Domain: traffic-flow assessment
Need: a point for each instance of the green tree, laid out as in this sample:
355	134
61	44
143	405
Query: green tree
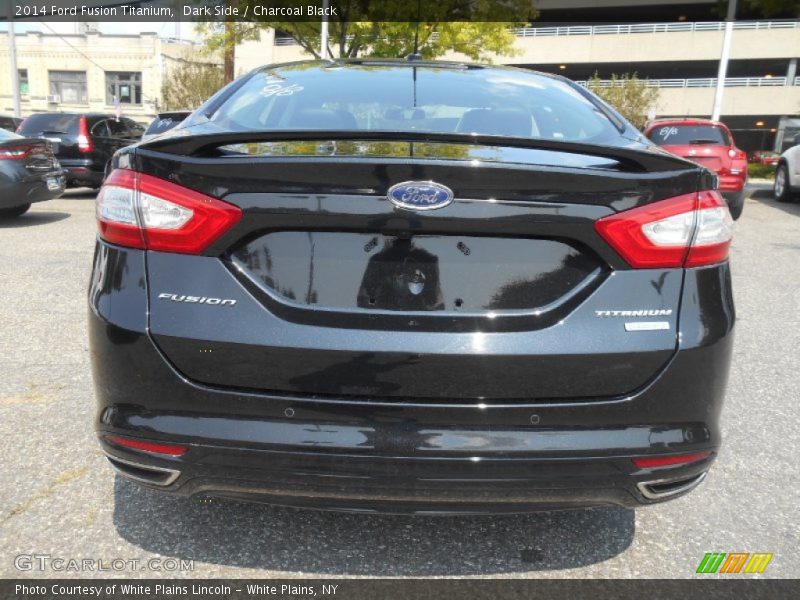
782	9
631	96
444	26
188	84
477	40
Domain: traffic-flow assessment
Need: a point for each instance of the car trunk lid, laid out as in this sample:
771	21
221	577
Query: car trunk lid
499	296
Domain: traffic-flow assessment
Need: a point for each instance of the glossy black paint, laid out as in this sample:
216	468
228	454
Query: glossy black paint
25	181
546	198
420	273
290	448
368	357
561	353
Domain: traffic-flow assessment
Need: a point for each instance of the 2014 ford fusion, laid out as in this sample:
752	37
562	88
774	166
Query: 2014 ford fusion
404	286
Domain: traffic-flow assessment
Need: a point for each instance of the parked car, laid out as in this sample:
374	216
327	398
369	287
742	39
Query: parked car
29	172
410	286
164	122
787	173
9	123
83	142
709	143
764	157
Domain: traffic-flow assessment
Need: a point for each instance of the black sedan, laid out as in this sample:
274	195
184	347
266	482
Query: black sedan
410	287
29	172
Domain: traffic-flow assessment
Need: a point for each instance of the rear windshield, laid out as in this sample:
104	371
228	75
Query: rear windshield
44	122
688	134
7	135
163	123
423	99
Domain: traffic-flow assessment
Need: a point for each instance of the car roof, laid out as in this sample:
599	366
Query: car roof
75	114
684	121
409	63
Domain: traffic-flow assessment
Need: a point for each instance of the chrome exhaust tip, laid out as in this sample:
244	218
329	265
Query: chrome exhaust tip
664	488
159	476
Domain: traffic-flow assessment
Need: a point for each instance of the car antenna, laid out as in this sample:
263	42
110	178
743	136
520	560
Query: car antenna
416	55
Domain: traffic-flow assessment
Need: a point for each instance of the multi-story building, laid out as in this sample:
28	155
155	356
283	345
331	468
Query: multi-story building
676	46
87	71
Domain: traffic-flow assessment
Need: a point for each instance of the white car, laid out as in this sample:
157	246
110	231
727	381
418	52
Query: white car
164	122
787	175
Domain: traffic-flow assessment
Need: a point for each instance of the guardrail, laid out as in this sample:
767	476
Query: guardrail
630	28
650	28
700	82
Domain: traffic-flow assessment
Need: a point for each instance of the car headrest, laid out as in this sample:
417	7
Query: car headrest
323	118
496	121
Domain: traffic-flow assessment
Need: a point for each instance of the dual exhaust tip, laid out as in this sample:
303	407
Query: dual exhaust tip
159	476
149	474
658	489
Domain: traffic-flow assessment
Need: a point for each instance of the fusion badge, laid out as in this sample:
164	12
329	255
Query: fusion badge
197	299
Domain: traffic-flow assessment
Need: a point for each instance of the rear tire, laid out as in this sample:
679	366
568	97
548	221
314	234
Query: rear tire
14	211
781	188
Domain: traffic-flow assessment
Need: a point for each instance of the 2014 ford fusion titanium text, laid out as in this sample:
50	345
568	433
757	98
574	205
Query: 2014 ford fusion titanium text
410	287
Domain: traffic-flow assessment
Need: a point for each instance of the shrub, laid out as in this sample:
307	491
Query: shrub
759	171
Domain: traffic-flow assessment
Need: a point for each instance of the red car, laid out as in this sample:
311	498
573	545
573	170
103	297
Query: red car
710	144
765	157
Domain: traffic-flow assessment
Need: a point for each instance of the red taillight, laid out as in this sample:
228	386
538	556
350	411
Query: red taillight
156	448
737	154
651	462
690	230
142	211
85	143
15	152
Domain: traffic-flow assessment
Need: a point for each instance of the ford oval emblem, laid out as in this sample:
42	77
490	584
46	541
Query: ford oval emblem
420	195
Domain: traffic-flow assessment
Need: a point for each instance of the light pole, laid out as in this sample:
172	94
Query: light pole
12	59
723	61
323	38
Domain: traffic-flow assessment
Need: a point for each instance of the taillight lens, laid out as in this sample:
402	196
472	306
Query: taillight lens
85	143
690	231
141	211
153	447
652	462
737	154
15	152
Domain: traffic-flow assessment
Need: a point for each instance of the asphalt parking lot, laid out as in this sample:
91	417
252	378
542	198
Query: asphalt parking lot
58	497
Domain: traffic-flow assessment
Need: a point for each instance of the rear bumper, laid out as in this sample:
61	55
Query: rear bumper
386	484
28	189
732	183
83	172
406	456
735	201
